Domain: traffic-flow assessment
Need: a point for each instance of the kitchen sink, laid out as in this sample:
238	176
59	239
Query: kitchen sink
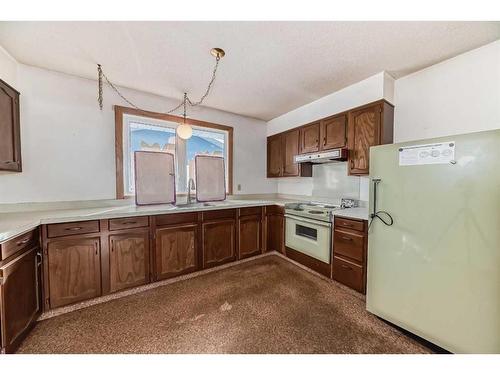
202	204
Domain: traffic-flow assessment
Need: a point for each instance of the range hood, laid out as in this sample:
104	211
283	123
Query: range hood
330	156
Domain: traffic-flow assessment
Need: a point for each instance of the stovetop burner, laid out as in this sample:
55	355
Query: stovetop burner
298	209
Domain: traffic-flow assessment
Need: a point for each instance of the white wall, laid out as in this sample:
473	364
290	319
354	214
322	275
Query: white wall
459	95
68	143
369	90
8	68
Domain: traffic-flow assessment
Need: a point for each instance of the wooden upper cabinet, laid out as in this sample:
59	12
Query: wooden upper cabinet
290	149
10	139
309	138
218	242
274	156
74	272
19	298
128	259
333	132
368	126
176	250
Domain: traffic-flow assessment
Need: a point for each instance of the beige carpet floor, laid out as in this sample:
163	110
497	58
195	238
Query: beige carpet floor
267	305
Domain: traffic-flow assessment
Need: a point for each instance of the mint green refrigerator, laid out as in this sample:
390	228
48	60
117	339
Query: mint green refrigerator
436	270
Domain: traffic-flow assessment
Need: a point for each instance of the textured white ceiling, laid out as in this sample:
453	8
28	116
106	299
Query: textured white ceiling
270	67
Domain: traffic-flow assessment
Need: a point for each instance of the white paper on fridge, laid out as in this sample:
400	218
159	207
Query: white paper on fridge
436	153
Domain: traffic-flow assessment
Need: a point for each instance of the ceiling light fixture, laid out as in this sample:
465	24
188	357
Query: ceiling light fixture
184	130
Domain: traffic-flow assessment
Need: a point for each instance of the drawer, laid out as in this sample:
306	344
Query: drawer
18	244
219	214
358	225
348	273
349	243
129	222
176	218
246	211
277	210
68	229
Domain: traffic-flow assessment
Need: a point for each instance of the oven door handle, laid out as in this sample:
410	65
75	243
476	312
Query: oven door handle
309	221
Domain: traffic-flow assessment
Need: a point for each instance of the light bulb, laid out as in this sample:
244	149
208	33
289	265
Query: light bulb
184	131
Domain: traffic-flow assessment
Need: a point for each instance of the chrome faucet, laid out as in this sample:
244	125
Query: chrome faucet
190	187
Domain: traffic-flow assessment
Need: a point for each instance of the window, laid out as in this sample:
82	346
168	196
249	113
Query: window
157	133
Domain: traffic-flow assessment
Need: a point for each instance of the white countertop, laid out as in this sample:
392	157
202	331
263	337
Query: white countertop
15	223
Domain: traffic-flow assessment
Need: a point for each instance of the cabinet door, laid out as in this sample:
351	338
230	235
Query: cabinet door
176	250
290	149
74	270
128	259
309	138
250	233
218	242
364	132
19	298
10	140
333	132
275	232
274	156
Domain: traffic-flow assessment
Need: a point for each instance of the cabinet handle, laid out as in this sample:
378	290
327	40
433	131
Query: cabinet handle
39	256
345	267
22	242
129	222
346	224
74	228
324	141
346	238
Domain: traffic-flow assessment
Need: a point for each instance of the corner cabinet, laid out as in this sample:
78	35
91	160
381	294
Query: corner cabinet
281	151
10	137
274	156
370	125
19	289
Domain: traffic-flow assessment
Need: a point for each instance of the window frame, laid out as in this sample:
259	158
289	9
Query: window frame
120	112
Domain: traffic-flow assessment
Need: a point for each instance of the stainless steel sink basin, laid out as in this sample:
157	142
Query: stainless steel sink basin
201	204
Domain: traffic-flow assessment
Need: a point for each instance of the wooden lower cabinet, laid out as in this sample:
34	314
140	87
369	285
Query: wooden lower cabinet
350	241
128	259
250	236
218	242
275	229
73	270
19	298
176	250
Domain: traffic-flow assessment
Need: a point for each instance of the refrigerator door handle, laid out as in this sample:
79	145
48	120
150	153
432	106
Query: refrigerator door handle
383	216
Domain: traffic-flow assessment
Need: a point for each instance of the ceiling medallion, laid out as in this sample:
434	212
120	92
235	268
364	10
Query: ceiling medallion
183	130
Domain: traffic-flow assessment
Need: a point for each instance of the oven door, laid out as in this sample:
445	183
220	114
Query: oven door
311	237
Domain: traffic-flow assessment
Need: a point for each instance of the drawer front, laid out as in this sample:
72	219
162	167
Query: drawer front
68	229
219	214
348	273
246	211
129	222
277	210
177	218
18	244
350	224
349	243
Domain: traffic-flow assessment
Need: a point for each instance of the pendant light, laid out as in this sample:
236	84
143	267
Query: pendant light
184	130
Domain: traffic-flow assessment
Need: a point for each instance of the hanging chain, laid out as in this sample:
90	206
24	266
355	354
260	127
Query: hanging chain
182	104
214	72
99	80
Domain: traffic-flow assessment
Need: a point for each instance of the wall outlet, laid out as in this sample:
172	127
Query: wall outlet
238	187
